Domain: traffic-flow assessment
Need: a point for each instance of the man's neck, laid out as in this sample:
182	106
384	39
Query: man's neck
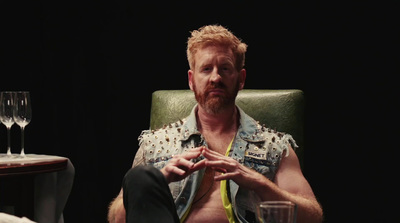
223	122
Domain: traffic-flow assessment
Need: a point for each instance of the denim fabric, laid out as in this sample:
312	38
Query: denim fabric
255	146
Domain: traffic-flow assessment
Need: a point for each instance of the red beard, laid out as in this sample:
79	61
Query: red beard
215	103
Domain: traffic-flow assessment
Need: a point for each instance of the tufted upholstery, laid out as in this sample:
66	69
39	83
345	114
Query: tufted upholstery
282	110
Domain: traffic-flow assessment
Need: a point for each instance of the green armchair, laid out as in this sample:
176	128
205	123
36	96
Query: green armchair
282	110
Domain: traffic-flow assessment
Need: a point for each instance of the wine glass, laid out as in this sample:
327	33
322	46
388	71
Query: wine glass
6	115
22	114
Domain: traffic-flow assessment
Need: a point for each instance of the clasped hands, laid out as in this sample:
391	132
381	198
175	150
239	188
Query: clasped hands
181	166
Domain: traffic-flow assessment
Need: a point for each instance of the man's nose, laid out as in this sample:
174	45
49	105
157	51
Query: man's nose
215	76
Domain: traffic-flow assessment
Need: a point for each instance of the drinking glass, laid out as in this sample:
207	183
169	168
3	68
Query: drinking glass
22	114
276	212
6	115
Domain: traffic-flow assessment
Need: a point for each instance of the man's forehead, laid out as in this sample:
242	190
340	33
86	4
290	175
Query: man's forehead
210	52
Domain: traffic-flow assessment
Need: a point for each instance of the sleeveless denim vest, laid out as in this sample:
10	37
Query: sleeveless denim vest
254	146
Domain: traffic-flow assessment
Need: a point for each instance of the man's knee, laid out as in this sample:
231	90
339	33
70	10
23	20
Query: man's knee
142	176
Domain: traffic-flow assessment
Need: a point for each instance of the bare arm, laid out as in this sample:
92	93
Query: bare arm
289	183
116	210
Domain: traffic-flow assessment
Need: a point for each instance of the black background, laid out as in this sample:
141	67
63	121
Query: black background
91	67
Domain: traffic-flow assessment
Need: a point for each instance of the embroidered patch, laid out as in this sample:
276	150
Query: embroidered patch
260	154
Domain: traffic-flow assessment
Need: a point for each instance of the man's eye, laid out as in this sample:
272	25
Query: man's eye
226	69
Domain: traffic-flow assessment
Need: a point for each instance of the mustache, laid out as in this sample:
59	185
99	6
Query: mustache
213	85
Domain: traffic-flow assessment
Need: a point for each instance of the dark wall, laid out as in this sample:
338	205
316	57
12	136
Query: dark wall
91	67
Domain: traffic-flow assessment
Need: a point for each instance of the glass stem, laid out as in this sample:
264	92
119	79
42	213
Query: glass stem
8	142
22	143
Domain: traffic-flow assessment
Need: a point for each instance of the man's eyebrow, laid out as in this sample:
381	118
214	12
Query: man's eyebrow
204	65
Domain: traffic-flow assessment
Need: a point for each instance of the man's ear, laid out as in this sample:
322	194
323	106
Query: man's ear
242	77
190	79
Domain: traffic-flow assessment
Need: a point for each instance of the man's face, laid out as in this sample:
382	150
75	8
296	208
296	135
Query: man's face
214	80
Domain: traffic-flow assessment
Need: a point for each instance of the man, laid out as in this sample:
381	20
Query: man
200	169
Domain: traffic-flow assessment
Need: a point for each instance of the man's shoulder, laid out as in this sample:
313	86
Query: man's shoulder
268	135
278	137
172	129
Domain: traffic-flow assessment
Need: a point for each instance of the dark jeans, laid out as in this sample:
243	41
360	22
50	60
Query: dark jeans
147	197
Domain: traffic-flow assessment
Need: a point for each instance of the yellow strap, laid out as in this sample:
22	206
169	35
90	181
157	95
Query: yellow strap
224	193
186	214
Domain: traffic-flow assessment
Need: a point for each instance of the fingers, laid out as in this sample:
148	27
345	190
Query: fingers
214	160
170	169
210	154
199	165
181	165
191	154
181	162
218	169
184	159
225	176
217	161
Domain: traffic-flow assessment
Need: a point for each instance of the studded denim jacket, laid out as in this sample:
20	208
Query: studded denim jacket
255	146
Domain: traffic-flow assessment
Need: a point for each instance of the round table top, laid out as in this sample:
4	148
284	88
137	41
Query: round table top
30	164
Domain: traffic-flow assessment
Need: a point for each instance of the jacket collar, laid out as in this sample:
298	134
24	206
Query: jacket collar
249	129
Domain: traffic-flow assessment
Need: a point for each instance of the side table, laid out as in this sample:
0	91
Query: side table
36	187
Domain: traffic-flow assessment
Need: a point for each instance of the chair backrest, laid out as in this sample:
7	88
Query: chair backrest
282	110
